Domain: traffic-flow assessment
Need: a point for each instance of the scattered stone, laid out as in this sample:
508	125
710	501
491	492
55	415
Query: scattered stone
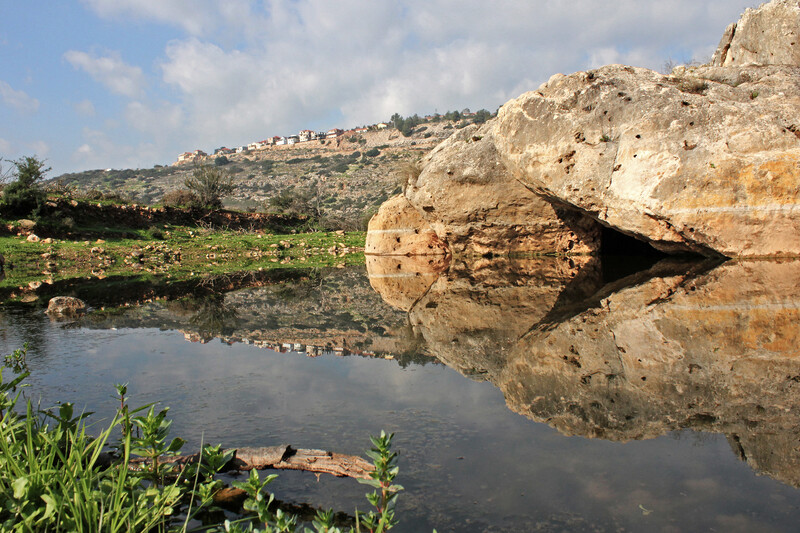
66	306
26	224
33	238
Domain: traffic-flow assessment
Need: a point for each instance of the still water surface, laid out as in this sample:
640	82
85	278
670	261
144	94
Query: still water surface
515	389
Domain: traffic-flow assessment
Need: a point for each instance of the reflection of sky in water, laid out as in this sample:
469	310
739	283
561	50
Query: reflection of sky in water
467	462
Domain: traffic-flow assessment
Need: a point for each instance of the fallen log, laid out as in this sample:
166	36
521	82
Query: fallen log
283	457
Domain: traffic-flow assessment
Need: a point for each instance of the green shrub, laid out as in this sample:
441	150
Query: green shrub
210	185
19	200
24	196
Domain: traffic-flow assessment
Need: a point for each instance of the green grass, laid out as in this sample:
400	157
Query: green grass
180	253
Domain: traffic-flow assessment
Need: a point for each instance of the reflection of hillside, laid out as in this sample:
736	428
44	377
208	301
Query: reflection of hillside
671	348
312	311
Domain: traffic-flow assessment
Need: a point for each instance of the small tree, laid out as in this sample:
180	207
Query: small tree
210	185
30	170
23	196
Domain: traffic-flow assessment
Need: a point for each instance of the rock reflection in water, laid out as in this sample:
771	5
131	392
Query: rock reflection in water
697	346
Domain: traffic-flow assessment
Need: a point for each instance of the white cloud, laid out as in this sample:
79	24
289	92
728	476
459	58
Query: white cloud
111	71
249	69
196	17
18	100
85	108
40	148
101	149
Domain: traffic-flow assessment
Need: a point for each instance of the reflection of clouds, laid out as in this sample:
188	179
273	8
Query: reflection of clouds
519	472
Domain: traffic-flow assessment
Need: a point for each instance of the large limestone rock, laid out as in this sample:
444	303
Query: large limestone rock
769	35
706	160
468	197
397	229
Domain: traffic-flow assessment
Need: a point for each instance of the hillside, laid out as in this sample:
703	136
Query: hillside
343	180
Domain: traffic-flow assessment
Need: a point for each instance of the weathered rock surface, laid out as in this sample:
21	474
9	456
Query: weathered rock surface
65	306
705	159
467	196
398	229
769	35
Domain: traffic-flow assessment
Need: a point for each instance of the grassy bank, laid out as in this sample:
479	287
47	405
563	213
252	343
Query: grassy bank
174	253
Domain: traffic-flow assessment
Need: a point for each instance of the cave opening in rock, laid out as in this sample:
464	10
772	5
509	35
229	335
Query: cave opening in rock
623	255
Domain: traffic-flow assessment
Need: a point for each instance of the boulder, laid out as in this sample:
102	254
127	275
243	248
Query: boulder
705	160
26	224
467	196
399	229
65	306
769	35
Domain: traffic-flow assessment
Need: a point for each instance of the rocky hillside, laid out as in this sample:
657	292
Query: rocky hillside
344	179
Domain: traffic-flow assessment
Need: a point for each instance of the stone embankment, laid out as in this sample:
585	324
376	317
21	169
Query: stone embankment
73	213
705	159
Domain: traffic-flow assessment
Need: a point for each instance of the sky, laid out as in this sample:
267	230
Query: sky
90	84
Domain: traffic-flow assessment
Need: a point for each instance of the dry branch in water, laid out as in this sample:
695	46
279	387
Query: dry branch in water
282	457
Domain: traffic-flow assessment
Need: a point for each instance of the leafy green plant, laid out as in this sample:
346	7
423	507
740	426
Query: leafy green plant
384	497
17	360
152	444
58	478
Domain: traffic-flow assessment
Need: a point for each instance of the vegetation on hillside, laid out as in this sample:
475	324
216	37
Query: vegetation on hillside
24	195
406	125
338	182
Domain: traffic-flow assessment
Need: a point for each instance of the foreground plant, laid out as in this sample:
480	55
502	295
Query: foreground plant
55	477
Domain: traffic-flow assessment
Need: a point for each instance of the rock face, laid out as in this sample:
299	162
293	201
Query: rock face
705	159
399	229
769	35
466	194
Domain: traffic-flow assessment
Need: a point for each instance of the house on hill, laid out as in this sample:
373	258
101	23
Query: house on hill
307	135
190	157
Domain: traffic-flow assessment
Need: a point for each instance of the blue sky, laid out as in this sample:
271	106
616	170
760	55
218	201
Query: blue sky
132	83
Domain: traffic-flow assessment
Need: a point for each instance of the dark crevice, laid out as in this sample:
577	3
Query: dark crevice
624	255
